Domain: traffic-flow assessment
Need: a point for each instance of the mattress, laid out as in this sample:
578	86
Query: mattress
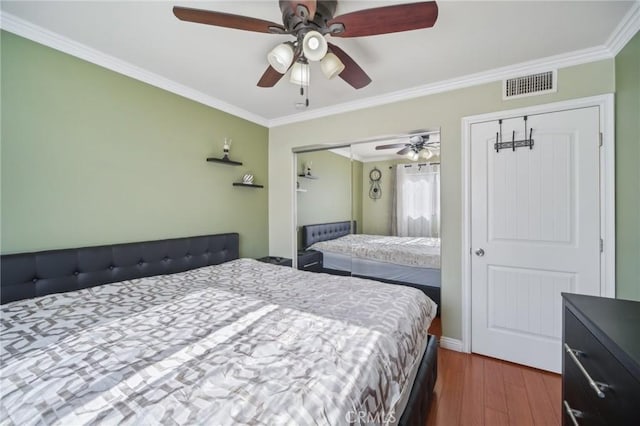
388	271
243	342
405	259
409	251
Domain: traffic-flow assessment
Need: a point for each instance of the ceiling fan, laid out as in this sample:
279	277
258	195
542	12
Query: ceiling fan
309	21
417	146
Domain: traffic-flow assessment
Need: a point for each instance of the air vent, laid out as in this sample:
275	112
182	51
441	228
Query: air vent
529	85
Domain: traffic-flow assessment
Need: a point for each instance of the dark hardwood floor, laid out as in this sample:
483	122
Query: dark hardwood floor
477	390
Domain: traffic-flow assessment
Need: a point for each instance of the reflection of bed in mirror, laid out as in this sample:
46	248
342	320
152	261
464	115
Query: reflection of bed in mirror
408	261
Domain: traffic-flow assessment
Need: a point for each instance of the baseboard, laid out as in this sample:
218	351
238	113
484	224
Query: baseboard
451	344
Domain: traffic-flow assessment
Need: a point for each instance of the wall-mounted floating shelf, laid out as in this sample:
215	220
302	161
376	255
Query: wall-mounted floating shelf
223	161
308	176
249	185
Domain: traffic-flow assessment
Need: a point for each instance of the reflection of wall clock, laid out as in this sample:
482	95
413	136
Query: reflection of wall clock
374	191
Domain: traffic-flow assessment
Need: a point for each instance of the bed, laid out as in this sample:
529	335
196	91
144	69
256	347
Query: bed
409	261
182	331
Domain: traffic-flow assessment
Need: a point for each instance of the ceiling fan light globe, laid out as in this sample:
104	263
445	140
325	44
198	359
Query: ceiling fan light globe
331	65
299	74
280	57
412	155
314	46
426	154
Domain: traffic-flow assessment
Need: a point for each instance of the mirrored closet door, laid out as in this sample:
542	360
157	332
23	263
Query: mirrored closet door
323	202
379	215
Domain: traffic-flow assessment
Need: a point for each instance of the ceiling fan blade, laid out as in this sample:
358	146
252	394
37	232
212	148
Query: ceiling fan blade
404	151
309	5
352	73
226	20
387	19
269	78
393	145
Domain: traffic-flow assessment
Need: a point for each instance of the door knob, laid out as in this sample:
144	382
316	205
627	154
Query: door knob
479	252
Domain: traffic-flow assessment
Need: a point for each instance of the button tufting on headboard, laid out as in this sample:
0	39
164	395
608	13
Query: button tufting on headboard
27	275
312	234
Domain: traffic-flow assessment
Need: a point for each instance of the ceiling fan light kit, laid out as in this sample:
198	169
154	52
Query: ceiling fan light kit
417	146
427	154
331	65
300	73
310	21
281	57
314	46
413	155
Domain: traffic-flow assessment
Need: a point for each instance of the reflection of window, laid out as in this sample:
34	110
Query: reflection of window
418	200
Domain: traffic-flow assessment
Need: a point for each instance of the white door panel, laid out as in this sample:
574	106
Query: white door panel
535	214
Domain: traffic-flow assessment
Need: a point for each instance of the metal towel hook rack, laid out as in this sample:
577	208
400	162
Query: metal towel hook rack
514	143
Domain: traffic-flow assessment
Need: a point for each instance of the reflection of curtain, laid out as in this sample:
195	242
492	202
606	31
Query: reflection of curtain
418	200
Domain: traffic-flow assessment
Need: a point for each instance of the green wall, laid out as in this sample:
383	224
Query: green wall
442	110
628	171
93	157
328	198
376	213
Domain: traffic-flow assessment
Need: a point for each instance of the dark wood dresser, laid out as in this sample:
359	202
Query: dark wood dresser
601	361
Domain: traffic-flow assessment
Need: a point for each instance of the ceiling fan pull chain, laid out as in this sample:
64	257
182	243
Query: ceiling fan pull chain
303	93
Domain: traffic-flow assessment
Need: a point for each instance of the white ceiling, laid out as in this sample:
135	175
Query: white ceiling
220	66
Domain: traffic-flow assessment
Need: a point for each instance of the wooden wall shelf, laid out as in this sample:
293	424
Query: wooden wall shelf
249	185
223	161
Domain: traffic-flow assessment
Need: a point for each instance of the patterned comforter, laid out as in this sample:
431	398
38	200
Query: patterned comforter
243	342
409	251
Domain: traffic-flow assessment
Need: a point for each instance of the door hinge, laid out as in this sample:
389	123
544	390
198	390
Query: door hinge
601	245
601	138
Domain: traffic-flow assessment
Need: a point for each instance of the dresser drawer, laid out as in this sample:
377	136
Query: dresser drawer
578	397
579	401
621	401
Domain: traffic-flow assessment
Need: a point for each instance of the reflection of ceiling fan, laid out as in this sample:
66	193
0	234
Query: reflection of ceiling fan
309	21
418	146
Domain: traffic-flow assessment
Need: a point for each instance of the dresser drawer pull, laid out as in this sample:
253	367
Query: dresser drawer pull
573	414
599	388
310	264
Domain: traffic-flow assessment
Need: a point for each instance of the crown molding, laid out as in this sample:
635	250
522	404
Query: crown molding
56	41
496	74
625	30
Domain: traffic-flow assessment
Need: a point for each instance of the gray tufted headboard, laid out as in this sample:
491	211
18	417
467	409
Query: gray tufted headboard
27	275
325	231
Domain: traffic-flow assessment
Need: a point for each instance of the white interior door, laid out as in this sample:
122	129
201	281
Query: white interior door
535	214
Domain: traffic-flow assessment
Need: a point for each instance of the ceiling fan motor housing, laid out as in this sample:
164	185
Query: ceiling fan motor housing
297	20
